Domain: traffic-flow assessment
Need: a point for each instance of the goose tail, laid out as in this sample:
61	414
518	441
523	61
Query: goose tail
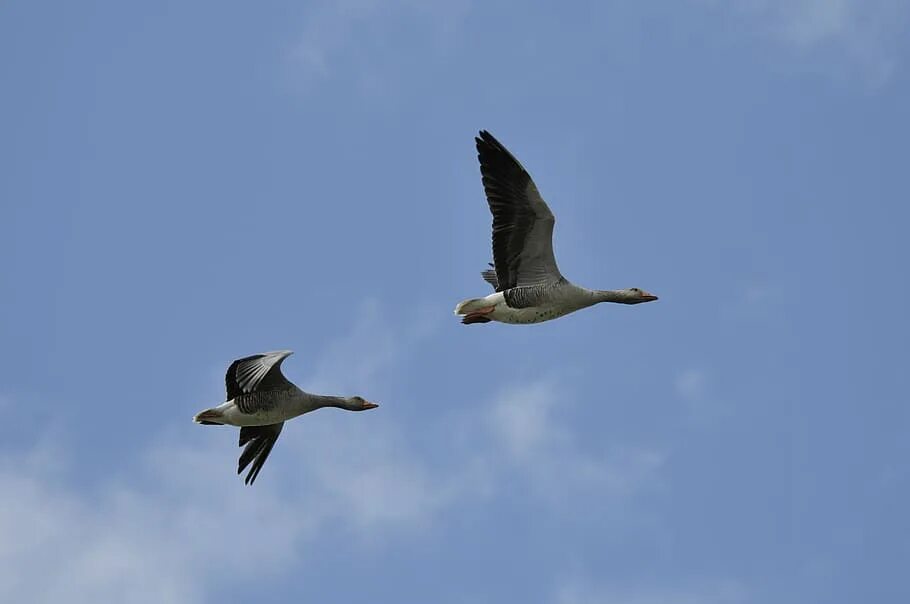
209	417
466	306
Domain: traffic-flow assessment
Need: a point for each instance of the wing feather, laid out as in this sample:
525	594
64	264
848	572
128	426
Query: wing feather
522	221
489	275
259	441
256	373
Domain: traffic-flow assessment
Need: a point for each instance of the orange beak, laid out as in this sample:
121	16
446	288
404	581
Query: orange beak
648	297
369	405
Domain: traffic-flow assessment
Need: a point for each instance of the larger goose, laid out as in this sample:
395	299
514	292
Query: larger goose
529	287
260	399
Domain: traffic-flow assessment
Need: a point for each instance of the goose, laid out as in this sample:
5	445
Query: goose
260	399
528	285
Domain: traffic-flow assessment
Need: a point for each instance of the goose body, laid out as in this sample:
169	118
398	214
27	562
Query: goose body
528	285
522	306
260	399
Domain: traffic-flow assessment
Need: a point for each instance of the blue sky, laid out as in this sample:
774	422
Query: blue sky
184	183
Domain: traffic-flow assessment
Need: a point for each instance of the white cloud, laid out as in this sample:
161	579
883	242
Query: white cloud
373	476
521	418
123	544
534	441
840	36
181	521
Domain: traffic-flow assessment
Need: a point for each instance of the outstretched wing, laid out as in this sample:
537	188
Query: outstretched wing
259	372
259	441
522	222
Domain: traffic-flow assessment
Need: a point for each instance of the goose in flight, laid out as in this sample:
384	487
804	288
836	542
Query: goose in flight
260	399
529	287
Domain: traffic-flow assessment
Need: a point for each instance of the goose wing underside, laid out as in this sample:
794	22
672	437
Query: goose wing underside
522	221
259	441
256	373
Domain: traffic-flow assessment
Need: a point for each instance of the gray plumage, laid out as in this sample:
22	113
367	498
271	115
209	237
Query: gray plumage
528	284
538	295
259	400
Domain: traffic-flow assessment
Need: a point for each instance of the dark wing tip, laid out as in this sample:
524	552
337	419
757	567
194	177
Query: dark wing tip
259	462
494	157
259	441
486	140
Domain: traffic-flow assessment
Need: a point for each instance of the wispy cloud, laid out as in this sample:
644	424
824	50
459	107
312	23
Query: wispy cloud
127	543
373	477
356	37
756	298
355	360
696	389
586	592
690	384
180	521
521	418
534	441
840	36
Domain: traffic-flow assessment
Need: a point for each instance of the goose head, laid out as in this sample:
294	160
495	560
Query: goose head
358	403
634	295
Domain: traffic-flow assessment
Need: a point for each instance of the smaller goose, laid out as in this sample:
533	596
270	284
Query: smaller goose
529	287
260	399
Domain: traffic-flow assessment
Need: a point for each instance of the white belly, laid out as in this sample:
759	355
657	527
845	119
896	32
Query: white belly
524	316
234	417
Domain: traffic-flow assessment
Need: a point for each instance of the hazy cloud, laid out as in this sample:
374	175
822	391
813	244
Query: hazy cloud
690	384
181	520
585	592
531	438
355	36
127	543
839	36
184	521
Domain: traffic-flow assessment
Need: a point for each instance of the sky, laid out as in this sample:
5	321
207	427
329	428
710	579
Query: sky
186	183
